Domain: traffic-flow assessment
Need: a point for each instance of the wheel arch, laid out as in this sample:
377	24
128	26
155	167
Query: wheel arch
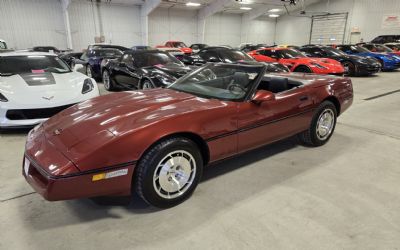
335	102
200	142
304	66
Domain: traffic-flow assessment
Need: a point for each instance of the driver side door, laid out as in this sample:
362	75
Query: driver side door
289	113
126	73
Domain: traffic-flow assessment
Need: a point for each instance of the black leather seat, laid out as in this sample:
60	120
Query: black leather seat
277	85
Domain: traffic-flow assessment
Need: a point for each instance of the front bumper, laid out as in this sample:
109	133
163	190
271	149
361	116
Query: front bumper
55	177
362	69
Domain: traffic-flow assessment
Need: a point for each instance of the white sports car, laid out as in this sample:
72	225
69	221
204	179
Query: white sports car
35	86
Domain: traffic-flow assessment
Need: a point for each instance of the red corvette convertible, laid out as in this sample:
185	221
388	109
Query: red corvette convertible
296	61
157	141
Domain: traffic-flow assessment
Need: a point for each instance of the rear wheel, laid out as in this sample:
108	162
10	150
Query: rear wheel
350	68
303	69
108	85
322	125
169	172
146	84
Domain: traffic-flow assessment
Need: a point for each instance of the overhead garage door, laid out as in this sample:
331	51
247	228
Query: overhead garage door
328	29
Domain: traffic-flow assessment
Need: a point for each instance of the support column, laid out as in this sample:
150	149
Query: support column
145	10
65	4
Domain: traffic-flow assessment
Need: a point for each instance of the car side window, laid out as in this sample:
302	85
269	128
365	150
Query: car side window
308	51
195	47
266	53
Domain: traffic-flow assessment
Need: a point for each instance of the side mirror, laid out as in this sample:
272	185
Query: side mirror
263	96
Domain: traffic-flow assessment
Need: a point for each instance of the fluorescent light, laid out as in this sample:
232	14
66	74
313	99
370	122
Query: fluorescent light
193	4
274	10
273	15
245	8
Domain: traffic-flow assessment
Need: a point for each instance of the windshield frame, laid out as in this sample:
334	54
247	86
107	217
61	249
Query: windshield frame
247	96
332	51
223	57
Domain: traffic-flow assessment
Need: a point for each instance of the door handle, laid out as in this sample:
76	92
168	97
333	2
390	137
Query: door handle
303	98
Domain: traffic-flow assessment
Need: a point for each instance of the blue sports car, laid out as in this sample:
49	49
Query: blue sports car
92	60
388	62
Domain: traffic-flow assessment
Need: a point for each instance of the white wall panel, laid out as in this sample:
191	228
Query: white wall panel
223	29
261	30
169	24
120	23
26	23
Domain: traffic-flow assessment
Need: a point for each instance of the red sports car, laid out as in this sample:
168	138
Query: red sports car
157	141
177	44
296	61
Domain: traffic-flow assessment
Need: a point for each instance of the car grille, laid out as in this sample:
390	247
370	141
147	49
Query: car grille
26	114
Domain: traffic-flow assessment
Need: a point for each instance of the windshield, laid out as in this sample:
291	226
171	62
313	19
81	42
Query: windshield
3	45
229	56
289	53
32	64
105	53
224	82
156	58
359	49
382	48
333	52
179	45
394	47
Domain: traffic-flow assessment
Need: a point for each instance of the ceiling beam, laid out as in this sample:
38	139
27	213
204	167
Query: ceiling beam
213	8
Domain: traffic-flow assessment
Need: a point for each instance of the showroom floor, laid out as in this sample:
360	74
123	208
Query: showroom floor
344	195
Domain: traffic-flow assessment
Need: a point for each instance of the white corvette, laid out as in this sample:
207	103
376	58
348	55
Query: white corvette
35	86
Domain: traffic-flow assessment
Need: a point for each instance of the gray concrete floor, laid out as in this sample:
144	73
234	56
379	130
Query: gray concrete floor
344	195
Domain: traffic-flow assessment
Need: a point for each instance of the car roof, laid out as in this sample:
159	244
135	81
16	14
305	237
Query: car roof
25	53
144	51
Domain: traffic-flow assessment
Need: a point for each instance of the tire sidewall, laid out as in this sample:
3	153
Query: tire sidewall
149	81
325	105
150	165
109	81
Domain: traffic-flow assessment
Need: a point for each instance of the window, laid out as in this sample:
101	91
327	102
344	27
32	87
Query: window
154	58
32	64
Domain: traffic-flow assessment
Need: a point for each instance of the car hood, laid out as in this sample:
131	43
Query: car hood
40	88
322	61
120	113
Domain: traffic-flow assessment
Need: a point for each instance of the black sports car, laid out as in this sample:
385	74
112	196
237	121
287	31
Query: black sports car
226	55
250	47
196	47
142	69
354	65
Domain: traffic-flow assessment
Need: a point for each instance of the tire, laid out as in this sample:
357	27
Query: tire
88	71
303	69
156	181
107	82
146	84
350	68
315	137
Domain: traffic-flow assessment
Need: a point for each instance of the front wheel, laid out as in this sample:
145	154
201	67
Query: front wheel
349	68
169	172
322	125
303	69
146	84
107	81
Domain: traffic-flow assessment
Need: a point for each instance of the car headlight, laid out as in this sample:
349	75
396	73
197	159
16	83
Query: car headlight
87	86
318	65
3	98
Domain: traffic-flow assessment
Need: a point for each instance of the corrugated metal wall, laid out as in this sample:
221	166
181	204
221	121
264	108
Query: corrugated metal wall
169	24
24	24
120	24
366	15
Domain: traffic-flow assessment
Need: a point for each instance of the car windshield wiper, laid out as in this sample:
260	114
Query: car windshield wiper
7	74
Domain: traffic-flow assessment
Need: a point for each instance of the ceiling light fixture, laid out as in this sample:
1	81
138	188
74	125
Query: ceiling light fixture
245	8
192	4
274	10
273	15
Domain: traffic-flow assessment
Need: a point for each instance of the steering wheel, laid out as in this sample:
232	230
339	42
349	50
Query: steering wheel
233	88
